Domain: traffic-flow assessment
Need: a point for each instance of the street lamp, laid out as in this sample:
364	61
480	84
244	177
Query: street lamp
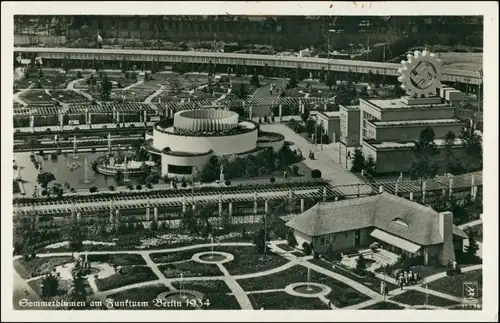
330	31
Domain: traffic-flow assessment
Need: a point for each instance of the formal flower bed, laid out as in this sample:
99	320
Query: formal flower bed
215	291
453	285
187	254
414	297
67	96
118	259
36	97
141	294
64	244
249	260
190	269
38	266
128	275
384	306
285	301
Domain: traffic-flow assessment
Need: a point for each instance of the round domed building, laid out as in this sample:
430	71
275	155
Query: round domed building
186	143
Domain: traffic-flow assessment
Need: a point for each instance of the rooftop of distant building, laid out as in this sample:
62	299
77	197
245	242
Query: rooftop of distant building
406	144
399	104
415	122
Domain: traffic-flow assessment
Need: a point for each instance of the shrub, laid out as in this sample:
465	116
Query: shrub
44	192
162	226
111	187
184	184
130	187
295	170
228	182
272	179
72	190
138	187
153	226
306	248
149	186
290	238
93	189
316	173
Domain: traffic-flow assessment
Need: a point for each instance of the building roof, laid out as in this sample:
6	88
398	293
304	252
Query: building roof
416	122
384	211
384	104
329	114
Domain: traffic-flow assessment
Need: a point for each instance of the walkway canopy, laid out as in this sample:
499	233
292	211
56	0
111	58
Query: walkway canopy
395	241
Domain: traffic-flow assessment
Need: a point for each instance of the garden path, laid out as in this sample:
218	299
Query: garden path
241	295
330	169
71	87
155	94
17	96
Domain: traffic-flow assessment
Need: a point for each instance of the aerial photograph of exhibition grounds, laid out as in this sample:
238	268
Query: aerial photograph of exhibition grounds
247	162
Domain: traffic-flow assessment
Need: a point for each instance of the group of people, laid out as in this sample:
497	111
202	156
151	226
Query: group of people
406	278
272	88
311	154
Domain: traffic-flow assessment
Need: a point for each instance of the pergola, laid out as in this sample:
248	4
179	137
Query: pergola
45	110
95	203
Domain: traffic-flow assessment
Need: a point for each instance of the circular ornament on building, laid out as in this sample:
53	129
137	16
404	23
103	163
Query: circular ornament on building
420	75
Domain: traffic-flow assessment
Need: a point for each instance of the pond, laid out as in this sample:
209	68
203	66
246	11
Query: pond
59	167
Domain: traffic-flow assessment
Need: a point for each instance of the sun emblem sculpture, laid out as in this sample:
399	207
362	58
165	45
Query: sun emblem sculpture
420	75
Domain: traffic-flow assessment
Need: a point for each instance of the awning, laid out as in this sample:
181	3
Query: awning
395	241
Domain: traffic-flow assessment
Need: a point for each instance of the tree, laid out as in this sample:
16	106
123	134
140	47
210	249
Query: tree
254	81
360	263
449	143
50	284
424	166
331	80
265	71
292	83
77	292
290	238
106	87
45	178
472	144
306	114
306	248
189	222
473	246
210	172
370	165
260	240
358	161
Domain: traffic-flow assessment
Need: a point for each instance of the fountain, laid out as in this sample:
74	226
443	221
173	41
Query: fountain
309	279
181	287
125	170
86	180
212	241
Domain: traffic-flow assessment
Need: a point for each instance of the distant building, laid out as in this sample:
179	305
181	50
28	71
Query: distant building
397	224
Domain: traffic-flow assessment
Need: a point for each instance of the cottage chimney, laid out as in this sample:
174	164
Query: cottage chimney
447	252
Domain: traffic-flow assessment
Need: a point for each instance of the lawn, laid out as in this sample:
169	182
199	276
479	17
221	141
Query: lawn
118	259
38	266
248	260
67	96
36	97
215	291
371	282
140	294
413	297
285	301
129	275
190	269
453	285
384	306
